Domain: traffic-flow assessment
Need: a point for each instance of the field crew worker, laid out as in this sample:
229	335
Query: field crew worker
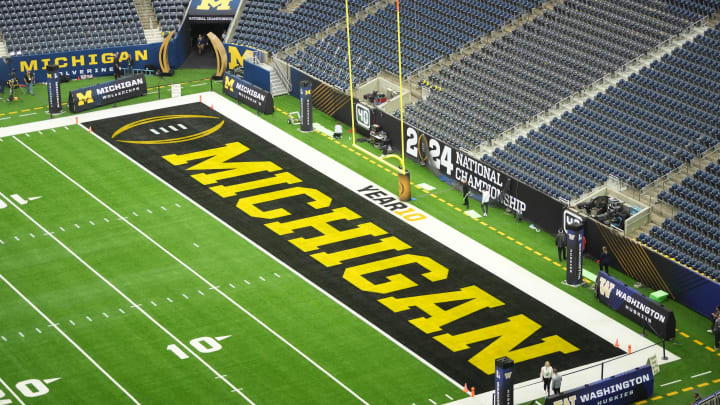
485	200
714	316
466	193
29	79
556	381
337	134
561	243
716	330
546	373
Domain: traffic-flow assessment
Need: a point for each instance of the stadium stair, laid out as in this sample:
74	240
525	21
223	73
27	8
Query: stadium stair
331	30
149	21
593	90
292	5
3	47
484	41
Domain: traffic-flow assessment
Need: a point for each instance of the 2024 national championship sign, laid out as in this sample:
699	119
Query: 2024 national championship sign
107	93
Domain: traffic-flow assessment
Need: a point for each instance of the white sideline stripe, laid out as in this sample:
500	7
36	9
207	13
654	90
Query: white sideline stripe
111	285
180	262
701	374
670	383
54	325
11	392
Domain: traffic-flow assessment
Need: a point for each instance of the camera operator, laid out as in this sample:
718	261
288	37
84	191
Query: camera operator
12	83
29	80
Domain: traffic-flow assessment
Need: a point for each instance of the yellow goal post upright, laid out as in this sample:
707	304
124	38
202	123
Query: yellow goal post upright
404	191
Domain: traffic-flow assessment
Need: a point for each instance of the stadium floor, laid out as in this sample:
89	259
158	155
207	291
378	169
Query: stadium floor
696	358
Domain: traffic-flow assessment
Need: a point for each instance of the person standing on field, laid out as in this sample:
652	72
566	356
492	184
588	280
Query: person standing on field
485	200
561	243
546	373
556	382
466	193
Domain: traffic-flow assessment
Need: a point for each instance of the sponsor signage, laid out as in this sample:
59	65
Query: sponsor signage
107	93
504	367
523	200
212	10
626	388
635	306
247	93
358	244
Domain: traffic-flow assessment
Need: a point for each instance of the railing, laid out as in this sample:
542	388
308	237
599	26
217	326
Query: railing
713	399
281	73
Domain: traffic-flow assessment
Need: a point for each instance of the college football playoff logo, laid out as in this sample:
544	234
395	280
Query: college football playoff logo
570	218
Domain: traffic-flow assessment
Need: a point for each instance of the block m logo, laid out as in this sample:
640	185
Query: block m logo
214	4
229	83
566	401
606	287
85	98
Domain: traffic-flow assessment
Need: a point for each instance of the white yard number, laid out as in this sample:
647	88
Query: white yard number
202	344
31	388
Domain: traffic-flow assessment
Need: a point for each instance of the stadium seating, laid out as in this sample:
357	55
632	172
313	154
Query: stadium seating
430	29
692	236
37	26
169	13
636	131
265	25
543	62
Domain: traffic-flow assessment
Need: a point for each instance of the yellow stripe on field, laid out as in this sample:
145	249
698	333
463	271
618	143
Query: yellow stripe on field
697	342
501	233
683	334
519	243
547	258
705	384
710	349
557	264
492	228
656	398
458	209
537	253
528	247
510	238
671	394
641	402
716	381
686	389
441	200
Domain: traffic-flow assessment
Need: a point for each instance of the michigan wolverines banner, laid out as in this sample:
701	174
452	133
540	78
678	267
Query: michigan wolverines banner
107	93
626	388
247	93
212	10
635	306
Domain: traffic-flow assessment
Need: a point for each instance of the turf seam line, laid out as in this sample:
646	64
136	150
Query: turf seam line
57	328
122	294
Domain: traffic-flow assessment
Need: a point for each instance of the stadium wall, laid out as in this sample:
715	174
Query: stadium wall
325	98
257	75
4	71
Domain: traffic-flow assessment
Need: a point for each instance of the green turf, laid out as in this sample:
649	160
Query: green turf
132	347
103	177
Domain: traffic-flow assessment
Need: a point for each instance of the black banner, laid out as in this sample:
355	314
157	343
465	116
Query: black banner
248	94
575	246
306	106
504	391
107	93
53	85
635	306
530	204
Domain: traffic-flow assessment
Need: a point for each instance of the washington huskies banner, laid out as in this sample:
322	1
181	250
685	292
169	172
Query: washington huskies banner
107	93
626	388
212	10
523	200
247	93
635	306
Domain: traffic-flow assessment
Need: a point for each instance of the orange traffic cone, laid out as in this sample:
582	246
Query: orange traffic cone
90	128
629	349
76	120
617	343
201	98
465	388
212	106
472	392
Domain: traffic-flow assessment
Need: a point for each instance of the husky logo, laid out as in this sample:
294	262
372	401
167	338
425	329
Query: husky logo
570	218
566	401
508	375
606	287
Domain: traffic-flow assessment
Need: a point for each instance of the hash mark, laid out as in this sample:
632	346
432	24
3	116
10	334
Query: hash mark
121	311
247	282
62	229
276	275
1	242
154	131
163	130
135	213
215	287
92	223
53	129
72	323
163	208
182	126
173	128
105	315
136	306
88	318
448	397
38	330
49	233
3	338
186	297
17	239
153	303
200	292
177	205
261	278
231	285
169	300
106	220
222	375
32	235
149	212
432	402
196	245
21	334
77	226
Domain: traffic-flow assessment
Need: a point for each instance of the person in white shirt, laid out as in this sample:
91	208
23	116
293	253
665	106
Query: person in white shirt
546	373
338	131
485	200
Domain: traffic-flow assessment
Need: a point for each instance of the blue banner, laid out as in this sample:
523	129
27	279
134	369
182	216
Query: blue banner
306	106
504	391
635	306
107	93
95	62
212	10
626	388
247	93
257	75
53	85
575	247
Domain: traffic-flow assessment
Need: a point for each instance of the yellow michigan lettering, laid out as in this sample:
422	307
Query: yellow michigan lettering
336	258
506	337
396	282
236	58
475	299
249	204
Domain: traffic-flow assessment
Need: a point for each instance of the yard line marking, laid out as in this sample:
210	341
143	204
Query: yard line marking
72	323
153	303
49	233
186	297
165	131
198	84
105	315
11	392
121	311
221	338
432	402
25	115
701	374
72	342
670	383
118	291
223	376
3	338
215	287
173	128
88	318
448	397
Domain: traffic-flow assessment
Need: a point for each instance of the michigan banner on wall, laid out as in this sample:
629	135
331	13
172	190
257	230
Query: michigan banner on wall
212	10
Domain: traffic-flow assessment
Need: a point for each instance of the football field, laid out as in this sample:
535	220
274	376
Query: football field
116	289
174	255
